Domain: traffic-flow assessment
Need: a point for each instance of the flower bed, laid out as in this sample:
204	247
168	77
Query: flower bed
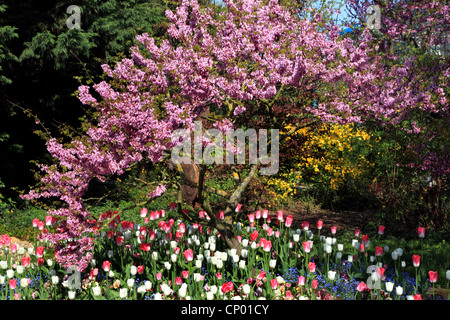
164	258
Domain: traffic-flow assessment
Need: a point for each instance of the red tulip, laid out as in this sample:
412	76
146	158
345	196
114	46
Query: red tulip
219	276
146	246
361	247
381	230
365	238
288	221
416	260
251	218
378	251
356	232
238	207
178	281
40	261
41	225
188	254
421	232
106	266
120	240
433	276
305	225
254	235
314	284
312	267
185	274
35	222
227	286
417	297
172	206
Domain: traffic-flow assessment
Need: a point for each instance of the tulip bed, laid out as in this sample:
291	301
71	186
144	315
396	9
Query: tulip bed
162	257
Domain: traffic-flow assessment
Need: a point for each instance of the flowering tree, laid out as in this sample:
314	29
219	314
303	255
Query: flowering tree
245	57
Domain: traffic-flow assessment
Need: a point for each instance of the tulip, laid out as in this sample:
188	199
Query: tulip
39	252
130	282
333	230
12	284
421	232
447	274
394	255
361	286
251	218
314	284
140	269
272	263
433	276
10	273
416	260
227	286
274	284
307	246
319	224
288	221
144	212
378	251
123	292
417	297
399	290
381	230
24	282
357	232
106	266
389	286
331	275
96	291
209	295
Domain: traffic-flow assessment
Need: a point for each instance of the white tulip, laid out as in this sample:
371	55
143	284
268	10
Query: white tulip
394	255
4	264
71	294
19	269
123	292
10	273
167	265
350	258
339	255
97	291
403	264
110	253
212	246
272	263
280	279
244	243
198	264
110	274
389	286
148	285
154	255
219	264
331	275
447	274
399	290
130	282
209	295
173	257
340	247
246	288
244	253
133	270
157	296
296	237
242	264
141	289
2	279
24	282
183	290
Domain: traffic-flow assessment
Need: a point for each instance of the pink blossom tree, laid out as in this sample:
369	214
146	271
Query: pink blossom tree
250	54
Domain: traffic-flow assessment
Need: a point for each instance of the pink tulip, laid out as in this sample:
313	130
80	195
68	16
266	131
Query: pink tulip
219	276
35	222
185	274
251	218
319	224
274	283
421	232
280	216
39	252
227	286
258	214
305	225
301	281
140	269
159	276
265	213
178	281
144	212
25	261
416	260
12	284
106	266
267	246
433	276
314	284
238	207
381	230
289	295
312	267
333	230
288	221
188	254
261	275
361	286
307	246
